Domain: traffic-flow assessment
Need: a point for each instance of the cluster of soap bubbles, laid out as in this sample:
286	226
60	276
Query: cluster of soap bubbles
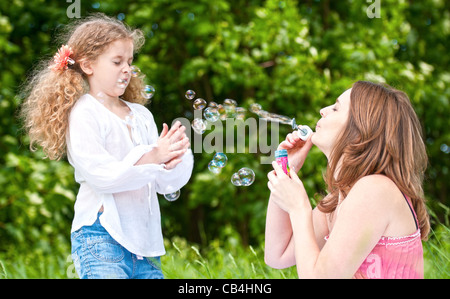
217	163
244	177
273	117
303	131
212	113
148	91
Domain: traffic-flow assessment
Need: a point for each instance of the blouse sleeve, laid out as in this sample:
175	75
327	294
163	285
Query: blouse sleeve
94	165
168	181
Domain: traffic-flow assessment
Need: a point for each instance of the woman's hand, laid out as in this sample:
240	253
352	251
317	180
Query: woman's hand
287	192
297	149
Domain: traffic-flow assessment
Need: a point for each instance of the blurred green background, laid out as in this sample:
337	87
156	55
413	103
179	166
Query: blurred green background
292	57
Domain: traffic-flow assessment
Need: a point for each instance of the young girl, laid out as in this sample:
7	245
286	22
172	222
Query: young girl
371	223
85	103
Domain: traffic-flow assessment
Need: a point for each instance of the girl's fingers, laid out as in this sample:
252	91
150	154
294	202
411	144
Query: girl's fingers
173	129
180	144
172	163
178	134
164	130
176	153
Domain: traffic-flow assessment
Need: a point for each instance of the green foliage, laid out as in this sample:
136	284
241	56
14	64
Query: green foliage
292	57
39	202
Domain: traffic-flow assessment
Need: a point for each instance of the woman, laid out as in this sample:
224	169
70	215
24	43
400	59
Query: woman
371	223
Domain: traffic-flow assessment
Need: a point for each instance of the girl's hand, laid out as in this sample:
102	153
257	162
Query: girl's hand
287	192
171	146
297	149
181	143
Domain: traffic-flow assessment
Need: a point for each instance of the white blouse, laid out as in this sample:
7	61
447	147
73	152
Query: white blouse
103	153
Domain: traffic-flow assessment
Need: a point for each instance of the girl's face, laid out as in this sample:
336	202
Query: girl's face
334	119
110	73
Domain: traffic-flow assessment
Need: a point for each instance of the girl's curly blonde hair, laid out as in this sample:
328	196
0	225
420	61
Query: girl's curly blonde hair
50	94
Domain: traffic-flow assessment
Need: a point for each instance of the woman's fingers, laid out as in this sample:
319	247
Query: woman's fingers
278	170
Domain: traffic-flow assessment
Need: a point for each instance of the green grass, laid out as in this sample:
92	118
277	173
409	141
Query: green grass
436	252
184	260
217	260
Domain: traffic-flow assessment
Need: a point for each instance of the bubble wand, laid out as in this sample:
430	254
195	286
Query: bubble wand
302	131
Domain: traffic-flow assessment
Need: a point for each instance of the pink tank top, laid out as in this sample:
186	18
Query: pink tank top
395	257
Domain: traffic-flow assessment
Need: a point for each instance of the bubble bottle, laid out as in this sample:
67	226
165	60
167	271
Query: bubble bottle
281	156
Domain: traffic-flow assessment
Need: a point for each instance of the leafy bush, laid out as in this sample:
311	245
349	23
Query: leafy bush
292	57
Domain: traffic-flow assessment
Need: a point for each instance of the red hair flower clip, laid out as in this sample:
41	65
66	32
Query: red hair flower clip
61	60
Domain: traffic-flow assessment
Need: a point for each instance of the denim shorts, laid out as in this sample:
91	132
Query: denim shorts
97	255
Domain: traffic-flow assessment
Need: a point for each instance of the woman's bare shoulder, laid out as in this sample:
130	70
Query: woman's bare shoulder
375	185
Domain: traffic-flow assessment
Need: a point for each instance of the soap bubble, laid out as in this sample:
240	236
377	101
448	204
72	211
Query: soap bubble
220	159
148	92
247	176
229	103
199	104
172	196
263	114
122	83
244	177
235	179
217	163
190	94
213	104
273	117
213	167
240	113
255	108
199	125
135	71
230	107
211	114
222	112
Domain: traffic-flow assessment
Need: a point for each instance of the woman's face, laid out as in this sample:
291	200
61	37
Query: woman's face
334	119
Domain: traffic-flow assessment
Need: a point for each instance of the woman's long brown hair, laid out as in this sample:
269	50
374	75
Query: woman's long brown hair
383	136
